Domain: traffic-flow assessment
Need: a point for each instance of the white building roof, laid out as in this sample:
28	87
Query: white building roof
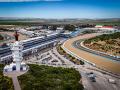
23	63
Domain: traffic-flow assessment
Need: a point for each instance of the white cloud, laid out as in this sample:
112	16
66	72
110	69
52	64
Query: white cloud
26	0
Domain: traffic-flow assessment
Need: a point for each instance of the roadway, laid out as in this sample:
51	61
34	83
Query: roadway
99	61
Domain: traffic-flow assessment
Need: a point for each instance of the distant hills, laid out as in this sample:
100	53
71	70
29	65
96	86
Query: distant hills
8	20
65	19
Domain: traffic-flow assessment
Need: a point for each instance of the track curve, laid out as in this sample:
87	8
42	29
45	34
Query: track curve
99	61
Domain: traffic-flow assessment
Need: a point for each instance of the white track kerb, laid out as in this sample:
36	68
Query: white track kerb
96	50
80	58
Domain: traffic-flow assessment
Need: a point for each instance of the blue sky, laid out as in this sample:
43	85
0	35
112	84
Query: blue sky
60	8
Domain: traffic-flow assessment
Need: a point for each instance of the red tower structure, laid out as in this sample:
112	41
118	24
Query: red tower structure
16	36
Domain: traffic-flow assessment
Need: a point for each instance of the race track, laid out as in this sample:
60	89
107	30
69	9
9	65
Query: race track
99	61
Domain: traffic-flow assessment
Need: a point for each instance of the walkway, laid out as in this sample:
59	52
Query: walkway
14	75
65	60
16	83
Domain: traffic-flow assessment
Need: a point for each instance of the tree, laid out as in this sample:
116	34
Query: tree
53	27
45	27
1	37
4	45
69	27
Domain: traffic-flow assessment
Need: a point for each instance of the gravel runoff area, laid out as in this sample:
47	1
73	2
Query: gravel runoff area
101	62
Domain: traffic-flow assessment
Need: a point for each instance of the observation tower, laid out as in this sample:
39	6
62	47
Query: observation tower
17	64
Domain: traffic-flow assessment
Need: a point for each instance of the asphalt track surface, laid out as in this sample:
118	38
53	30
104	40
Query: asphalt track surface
77	44
100	61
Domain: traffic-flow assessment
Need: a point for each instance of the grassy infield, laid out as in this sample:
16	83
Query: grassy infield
111	43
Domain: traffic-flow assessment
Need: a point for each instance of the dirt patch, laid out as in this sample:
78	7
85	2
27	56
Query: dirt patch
111	46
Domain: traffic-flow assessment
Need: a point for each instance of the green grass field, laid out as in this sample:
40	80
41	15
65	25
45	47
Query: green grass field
5	82
109	43
50	78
